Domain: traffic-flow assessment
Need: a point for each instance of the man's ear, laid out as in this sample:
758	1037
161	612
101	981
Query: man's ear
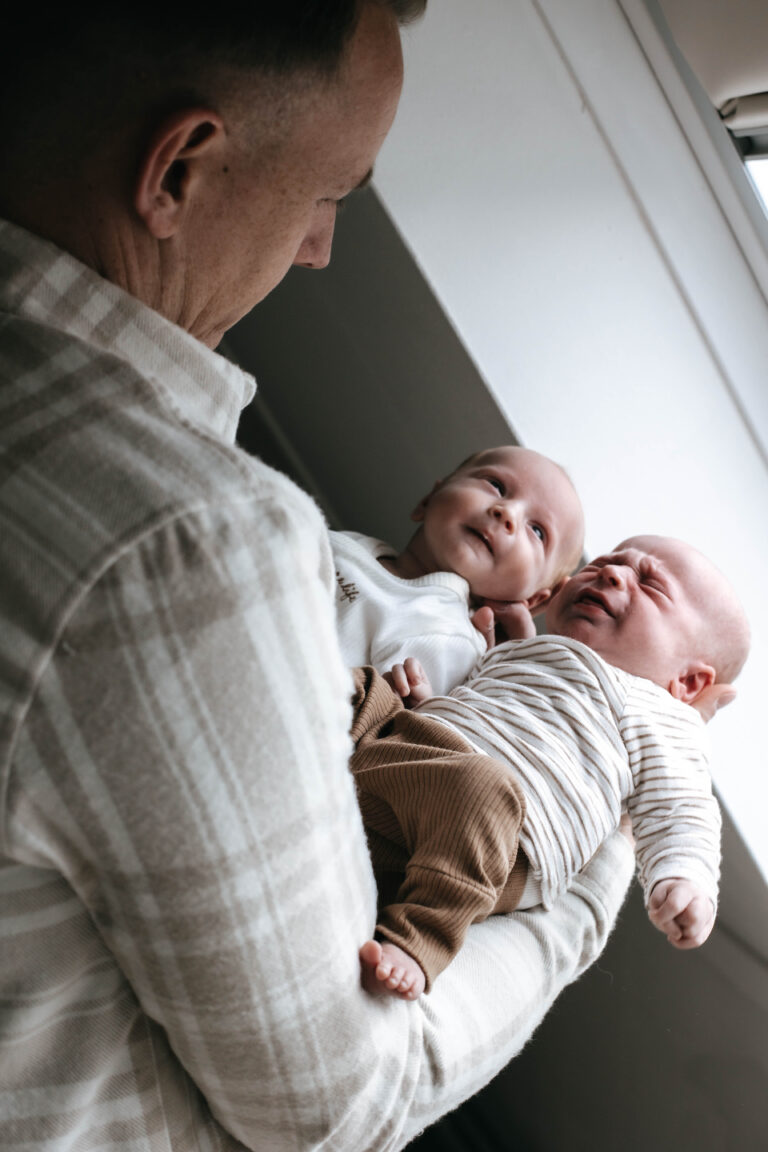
418	513
691	682
538	602
167	174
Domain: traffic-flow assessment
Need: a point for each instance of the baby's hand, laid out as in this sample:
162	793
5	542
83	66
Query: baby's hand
682	911
485	622
500	620
411	682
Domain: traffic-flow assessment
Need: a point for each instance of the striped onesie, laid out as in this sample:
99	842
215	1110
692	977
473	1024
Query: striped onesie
583	741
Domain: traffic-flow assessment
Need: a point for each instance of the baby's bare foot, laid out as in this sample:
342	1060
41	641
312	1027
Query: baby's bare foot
388	971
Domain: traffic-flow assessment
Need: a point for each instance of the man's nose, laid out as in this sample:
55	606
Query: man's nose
315	248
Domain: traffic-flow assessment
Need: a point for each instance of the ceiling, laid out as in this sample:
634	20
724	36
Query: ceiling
726	45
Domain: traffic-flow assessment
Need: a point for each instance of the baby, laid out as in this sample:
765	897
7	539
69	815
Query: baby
505	526
569	730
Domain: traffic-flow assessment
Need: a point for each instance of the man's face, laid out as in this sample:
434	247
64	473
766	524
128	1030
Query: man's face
641	607
506	522
274	204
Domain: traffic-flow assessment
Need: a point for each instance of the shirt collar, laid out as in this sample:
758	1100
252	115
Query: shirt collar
42	283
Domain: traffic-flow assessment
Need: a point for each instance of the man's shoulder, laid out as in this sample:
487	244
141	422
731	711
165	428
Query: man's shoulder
86	422
95	458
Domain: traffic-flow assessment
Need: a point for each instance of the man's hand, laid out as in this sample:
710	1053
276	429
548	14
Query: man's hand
713	697
410	681
500	620
625	827
680	910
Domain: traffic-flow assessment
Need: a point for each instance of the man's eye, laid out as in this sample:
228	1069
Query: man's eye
338	205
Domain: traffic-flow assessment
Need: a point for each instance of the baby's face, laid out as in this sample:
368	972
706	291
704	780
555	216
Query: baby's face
508	522
641	607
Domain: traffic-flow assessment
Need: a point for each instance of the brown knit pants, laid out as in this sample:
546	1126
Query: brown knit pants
442	823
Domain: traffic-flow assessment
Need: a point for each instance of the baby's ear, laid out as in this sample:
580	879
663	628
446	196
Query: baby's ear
418	513
539	600
711	700
691	682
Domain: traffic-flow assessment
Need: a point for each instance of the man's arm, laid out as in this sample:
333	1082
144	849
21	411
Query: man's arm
489	1001
205	817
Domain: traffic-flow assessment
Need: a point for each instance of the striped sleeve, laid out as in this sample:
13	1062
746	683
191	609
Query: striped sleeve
675	817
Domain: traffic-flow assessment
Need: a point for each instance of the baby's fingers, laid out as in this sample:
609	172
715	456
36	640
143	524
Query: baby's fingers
485	622
682	912
694	923
666	905
398	678
414	671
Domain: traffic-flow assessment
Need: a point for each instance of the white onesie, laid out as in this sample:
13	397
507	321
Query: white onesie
382	619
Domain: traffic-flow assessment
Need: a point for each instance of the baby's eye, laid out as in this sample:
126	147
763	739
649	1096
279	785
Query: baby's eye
496	483
651	579
539	531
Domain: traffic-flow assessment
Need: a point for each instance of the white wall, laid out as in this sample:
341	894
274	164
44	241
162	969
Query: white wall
549	192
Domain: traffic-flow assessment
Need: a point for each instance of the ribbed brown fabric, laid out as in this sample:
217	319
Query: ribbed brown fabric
442	823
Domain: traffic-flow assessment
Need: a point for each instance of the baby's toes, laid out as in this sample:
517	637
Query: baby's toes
416	985
371	953
396	977
407	986
384	970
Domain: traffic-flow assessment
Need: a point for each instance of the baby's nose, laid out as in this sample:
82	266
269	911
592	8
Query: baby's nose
503	513
615	575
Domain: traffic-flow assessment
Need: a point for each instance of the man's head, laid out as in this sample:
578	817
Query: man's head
192	155
508	520
658	608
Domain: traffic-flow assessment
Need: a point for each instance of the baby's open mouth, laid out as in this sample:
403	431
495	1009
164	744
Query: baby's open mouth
480	536
596	599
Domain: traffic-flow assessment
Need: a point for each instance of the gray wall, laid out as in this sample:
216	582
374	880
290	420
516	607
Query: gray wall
383	399
653	1050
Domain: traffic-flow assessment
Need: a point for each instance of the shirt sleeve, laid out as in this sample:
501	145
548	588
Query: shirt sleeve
675	816
184	767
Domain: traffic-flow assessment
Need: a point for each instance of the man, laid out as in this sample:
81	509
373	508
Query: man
178	821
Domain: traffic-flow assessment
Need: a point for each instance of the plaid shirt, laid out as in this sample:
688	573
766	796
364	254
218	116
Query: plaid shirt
184	881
